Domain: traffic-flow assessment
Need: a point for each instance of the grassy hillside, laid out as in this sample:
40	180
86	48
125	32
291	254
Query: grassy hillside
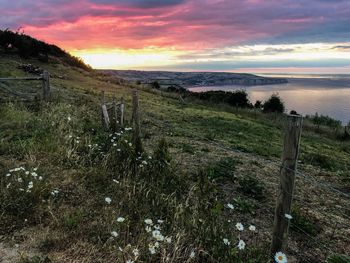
58	166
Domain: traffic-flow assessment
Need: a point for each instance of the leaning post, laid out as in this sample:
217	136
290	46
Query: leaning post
136	120
104	115
286	186
122	110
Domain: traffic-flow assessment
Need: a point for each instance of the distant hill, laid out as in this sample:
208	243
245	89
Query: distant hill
27	47
190	79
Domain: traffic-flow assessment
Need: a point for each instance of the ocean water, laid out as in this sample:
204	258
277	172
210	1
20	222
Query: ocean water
306	94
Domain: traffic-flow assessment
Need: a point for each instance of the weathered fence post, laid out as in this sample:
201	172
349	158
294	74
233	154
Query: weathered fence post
105	117
286	186
122	109
46	85
136	118
115	114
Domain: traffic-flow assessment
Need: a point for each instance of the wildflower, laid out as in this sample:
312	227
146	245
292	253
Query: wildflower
40	178
116	181
8	185
20	180
69	118
108	200
118	150
114	234
157	235
144	162
157	227
30	185
136	252
120	219
120	249
168	239
36	168
241	245
151	248
27	172
288	216
54	192
192	255
149	222
148	229
156	244
160	221
239	227
8	175
129	261
226	242
252	228
112	140
114	144
34	174
280	257
150	157
230	206
130	144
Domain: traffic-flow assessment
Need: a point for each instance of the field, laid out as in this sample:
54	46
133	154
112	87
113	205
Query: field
205	169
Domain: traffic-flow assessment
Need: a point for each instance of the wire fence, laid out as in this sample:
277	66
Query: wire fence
321	227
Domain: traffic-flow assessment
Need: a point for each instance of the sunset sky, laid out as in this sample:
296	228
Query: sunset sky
311	36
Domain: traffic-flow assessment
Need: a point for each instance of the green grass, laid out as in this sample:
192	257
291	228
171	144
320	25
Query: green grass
182	178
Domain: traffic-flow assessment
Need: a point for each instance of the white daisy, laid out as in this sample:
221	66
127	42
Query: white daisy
226	242
114	234
288	216
239	226
241	245
252	228
230	206
108	200
120	219
280	257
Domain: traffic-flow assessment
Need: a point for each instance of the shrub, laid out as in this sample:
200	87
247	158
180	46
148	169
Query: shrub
323	120
274	104
252	187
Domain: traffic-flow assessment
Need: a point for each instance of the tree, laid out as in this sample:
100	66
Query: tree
274	104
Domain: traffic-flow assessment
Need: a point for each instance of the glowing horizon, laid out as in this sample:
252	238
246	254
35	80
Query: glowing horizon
191	35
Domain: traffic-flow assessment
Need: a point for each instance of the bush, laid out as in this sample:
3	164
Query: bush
252	187
274	104
336	258
323	120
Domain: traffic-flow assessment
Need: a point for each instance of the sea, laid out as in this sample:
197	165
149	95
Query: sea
306	94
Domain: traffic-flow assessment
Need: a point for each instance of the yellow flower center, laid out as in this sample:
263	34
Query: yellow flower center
280	257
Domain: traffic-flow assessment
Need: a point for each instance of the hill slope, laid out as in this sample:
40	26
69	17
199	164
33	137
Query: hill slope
190	79
211	156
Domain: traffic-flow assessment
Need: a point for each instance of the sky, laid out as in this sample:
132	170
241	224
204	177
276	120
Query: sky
280	36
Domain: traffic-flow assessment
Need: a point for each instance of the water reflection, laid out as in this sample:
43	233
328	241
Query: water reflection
307	96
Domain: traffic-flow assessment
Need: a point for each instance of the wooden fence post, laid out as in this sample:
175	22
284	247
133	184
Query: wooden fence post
136	117
122	109
115	114
46	85
286	186
105	117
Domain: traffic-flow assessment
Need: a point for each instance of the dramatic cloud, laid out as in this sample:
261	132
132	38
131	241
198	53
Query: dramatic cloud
206	29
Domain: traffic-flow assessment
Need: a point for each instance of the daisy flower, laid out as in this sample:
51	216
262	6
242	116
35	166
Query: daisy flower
114	234
120	219
280	257
226	242
252	228
108	200
239	226
288	216
230	206
241	245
